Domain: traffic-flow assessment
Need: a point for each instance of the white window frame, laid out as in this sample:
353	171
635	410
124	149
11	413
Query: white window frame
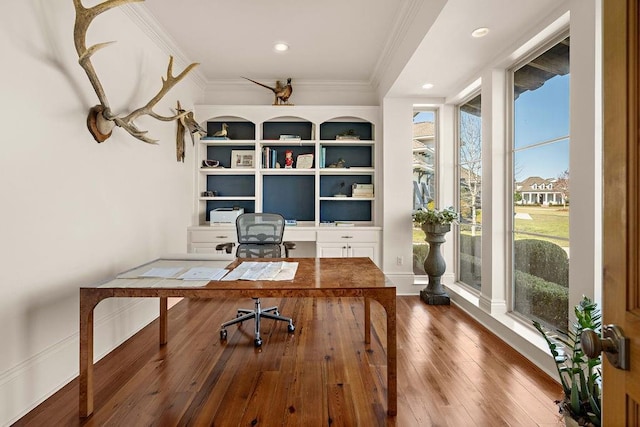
510	117
475	92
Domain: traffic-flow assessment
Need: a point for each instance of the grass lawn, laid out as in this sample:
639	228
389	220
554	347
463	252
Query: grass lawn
549	221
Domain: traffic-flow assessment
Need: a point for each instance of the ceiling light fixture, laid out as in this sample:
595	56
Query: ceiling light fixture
480	32
427	86
281	47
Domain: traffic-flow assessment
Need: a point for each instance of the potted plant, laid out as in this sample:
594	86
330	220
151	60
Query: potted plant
435	224
580	376
435	220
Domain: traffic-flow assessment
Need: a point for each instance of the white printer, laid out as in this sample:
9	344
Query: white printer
224	216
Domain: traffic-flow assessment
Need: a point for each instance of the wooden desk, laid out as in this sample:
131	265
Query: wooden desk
316	277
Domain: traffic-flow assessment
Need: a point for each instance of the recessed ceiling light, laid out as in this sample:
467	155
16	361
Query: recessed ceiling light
281	47
427	86
480	32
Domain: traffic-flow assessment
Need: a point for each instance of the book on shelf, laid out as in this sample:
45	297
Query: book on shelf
323	155
290	138
344	224
269	157
347	138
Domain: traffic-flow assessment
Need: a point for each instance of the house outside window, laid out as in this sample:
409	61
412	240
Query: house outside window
540	165
469	171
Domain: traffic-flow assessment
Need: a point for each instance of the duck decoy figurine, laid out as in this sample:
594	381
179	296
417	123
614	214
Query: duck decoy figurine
281	92
222	132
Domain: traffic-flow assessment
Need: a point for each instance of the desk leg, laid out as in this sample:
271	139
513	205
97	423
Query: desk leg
163	320
85	378
367	320
392	356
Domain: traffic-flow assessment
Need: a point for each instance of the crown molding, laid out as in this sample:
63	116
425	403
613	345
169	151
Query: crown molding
401	27
359	86
141	16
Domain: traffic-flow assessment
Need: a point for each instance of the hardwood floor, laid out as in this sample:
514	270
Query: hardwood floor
451	372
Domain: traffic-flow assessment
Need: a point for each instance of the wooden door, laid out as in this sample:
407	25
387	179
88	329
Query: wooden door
621	210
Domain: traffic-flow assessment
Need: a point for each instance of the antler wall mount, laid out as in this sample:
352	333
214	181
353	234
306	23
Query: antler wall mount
101	119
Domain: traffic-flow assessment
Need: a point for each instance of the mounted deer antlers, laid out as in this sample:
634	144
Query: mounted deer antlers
101	120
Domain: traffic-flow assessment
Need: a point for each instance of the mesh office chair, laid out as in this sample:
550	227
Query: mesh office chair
259	236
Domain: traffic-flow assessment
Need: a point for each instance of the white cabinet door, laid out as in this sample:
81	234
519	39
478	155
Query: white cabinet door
331	250
363	250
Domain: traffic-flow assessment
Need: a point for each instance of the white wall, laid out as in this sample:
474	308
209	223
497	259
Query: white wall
304	93
74	212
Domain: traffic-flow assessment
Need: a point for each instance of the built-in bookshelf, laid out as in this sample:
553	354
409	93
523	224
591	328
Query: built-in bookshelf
332	148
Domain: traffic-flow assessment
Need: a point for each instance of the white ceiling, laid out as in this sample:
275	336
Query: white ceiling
349	41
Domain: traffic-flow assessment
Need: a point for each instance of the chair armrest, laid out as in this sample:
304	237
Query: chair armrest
288	246
226	246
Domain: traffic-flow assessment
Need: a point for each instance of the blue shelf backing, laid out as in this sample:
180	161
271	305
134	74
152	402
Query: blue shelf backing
232	185
295	149
345	210
222	153
292	196
354	156
235	130
333	184
329	130
273	130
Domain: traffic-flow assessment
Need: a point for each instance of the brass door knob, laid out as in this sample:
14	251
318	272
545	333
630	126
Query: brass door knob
613	344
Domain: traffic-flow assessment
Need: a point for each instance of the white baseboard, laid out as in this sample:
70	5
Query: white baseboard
28	384
403	283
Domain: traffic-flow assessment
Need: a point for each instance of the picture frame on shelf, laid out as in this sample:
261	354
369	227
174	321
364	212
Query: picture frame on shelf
304	161
242	159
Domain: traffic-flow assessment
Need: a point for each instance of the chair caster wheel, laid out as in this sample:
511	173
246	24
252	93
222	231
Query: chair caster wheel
291	328
258	342
223	335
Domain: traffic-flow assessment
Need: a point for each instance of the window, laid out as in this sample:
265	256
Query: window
540	235
469	168
424	178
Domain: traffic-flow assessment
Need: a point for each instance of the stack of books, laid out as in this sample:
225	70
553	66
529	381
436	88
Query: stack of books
290	137
362	190
347	138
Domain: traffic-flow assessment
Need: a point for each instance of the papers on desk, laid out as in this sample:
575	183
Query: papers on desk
194	273
166	272
252	270
171	273
203	273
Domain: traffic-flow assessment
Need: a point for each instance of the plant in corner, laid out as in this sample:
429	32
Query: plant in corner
580	376
435	224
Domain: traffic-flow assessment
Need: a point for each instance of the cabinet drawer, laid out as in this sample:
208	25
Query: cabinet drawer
219	235
350	235
299	235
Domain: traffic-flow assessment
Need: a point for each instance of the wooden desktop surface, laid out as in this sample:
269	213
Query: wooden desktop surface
315	277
